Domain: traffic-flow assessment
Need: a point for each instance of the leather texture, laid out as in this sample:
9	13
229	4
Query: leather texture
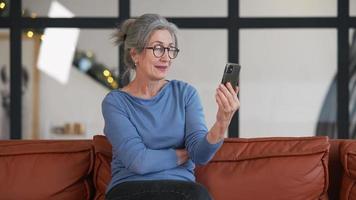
46	170
268	168
348	160
257	168
102	168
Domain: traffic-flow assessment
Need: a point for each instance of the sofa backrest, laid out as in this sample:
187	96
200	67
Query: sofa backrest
102	166
268	168
33	169
267	163
242	159
348	161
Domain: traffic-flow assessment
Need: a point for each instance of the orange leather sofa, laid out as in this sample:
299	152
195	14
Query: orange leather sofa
243	169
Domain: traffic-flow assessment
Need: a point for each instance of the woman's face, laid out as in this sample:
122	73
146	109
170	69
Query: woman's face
147	64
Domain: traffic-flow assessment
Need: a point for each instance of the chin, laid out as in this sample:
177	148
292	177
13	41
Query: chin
161	76
158	77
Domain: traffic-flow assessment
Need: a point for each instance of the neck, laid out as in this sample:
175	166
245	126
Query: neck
145	88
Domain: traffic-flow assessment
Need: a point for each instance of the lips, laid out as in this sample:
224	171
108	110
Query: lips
161	68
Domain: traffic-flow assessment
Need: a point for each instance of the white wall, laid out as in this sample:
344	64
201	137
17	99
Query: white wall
352	8
290	8
181	8
286	72
284	79
78	101
80	8
28	55
4	89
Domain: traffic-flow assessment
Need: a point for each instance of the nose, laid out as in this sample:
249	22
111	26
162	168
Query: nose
165	56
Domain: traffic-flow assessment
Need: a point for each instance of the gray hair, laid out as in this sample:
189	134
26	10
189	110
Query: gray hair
135	33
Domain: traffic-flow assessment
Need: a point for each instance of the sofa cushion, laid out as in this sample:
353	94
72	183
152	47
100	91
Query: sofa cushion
348	160
102	168
268	168
46	169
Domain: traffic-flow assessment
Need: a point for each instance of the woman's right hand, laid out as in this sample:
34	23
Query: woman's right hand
182	156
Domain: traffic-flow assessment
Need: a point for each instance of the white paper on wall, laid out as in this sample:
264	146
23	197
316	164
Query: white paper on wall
58	47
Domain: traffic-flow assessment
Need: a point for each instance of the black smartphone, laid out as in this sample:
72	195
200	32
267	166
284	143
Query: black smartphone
231	74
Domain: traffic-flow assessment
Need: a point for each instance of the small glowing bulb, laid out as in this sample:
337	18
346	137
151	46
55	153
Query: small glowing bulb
106	73
110	79
89	54
114	85
2	5
29	34
33	15
42	37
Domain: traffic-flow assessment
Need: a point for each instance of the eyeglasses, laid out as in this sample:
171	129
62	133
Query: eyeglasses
159	50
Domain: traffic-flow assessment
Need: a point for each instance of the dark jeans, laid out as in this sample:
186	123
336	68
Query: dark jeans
158	190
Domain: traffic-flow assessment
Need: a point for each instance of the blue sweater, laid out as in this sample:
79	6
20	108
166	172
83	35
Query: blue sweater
144	134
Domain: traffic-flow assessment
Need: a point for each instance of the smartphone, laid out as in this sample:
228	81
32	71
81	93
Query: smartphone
231	74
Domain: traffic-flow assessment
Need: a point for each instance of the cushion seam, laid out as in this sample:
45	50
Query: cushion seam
267	156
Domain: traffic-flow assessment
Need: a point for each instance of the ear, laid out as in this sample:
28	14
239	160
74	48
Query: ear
134	54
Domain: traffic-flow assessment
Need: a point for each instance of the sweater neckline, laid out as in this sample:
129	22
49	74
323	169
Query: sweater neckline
159	93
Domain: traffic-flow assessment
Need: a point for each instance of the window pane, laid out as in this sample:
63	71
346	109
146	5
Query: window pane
182	8
288	82
290	8
80	8
4	8
201	63
71	110
352	84
4	84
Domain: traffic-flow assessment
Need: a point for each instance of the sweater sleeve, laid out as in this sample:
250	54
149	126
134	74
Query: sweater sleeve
199	149
127	144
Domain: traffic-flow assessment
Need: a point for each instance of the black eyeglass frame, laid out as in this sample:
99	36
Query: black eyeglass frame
164	50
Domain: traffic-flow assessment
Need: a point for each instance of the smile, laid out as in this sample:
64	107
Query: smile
161	68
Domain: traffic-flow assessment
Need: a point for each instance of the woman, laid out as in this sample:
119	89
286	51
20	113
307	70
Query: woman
156	127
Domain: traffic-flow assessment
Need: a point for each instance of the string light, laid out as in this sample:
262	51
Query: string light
114	85
110	79
33	15
89	54
29	34
2	5
100	73
106	72
96	70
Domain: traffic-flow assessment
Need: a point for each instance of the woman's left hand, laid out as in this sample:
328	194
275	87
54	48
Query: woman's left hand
226	98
